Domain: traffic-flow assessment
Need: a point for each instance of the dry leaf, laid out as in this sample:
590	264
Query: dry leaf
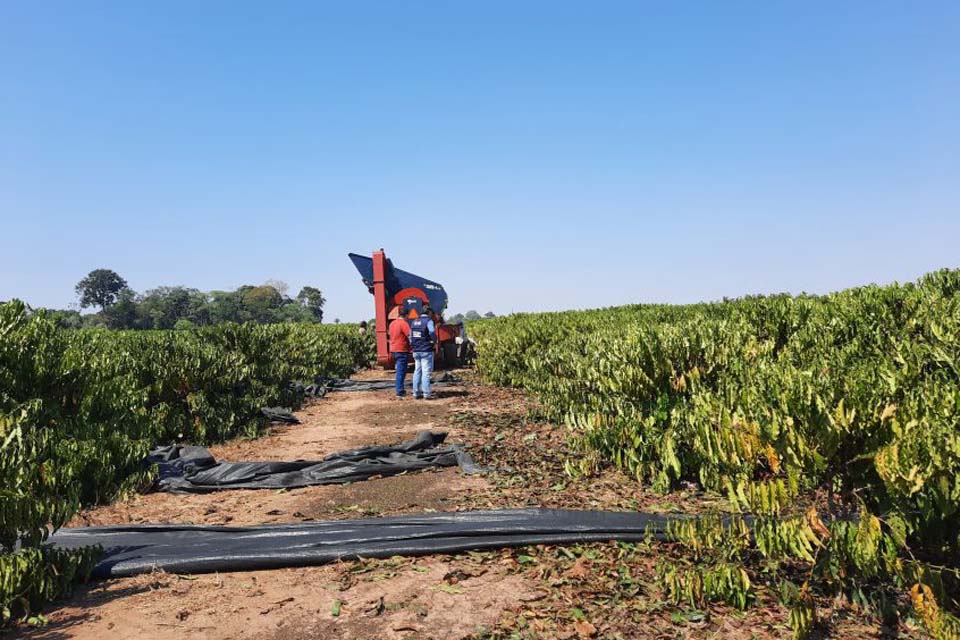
579	571
584	629
813	518
888	412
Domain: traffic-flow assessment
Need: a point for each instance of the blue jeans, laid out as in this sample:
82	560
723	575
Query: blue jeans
423	367
401	359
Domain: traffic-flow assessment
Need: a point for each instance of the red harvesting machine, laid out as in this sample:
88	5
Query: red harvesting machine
395	294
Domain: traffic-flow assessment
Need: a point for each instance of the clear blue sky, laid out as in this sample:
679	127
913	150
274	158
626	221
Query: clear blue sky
528	155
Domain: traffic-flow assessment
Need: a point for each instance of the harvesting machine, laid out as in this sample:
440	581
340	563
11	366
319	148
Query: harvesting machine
397	293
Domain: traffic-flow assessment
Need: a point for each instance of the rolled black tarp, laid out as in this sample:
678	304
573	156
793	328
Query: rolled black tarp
129	550
192	469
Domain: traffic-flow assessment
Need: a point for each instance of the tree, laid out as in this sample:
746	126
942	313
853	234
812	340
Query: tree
262	302
489	314
296	313
100	288
472	315
457	319
281	286
224	306
164	306
123	314
65	318
312	299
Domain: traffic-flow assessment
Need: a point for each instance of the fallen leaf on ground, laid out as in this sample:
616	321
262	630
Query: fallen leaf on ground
584	628
579	571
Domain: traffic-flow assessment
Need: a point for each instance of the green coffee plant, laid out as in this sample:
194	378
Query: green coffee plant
79	410
767	399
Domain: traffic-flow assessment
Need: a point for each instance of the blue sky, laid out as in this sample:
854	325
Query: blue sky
531	155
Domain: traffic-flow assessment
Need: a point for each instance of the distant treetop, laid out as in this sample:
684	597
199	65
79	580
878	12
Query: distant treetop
100	288
470	315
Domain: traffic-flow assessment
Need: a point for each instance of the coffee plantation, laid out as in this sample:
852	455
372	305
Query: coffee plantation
79	410
830	423
793	407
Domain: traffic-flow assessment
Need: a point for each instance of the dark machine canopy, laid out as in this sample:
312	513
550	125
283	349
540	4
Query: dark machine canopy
397	280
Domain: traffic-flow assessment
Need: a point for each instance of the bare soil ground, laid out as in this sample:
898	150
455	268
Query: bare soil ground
603	590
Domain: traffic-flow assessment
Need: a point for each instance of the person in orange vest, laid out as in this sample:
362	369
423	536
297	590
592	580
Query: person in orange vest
400	350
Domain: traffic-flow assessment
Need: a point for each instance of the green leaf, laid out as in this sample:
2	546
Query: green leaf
450	588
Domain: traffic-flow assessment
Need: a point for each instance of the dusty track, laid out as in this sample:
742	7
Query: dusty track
297	602
582	592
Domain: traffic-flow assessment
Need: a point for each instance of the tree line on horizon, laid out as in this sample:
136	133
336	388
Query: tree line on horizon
470	315
178	307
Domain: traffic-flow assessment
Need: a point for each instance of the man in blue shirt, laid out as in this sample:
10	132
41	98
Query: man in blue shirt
423	337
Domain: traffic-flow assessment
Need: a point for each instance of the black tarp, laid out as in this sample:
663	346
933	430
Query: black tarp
191	469
324	386
130	550
283	415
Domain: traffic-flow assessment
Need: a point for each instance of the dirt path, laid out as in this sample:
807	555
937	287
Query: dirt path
335	423
347	600
599	590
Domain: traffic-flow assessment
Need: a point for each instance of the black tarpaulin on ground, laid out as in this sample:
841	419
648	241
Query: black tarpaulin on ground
130	550
283	415
190	469
324	386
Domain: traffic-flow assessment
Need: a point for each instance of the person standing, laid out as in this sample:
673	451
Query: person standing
400	350
423	335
